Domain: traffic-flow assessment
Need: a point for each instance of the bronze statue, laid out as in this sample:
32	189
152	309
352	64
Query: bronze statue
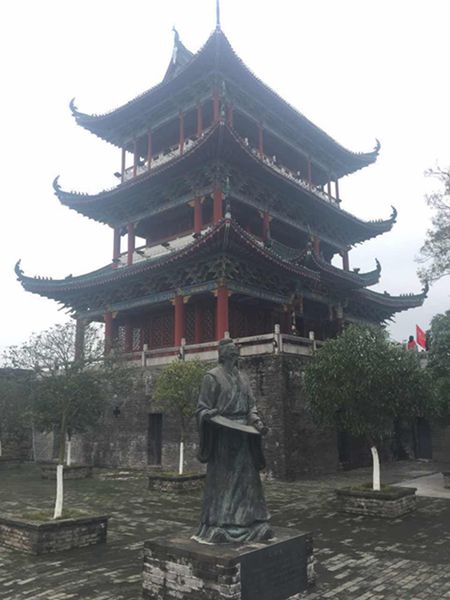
234	508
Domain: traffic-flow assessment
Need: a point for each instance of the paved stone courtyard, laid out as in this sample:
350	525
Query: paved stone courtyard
357	558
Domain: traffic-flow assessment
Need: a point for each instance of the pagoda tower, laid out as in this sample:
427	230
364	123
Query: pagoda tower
226	217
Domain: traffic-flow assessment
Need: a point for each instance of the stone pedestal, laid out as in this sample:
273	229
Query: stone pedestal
182	568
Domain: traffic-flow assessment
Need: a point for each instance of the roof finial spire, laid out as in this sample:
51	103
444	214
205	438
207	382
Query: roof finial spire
217	14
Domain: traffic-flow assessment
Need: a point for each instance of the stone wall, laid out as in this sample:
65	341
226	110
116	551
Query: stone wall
441	442
294	447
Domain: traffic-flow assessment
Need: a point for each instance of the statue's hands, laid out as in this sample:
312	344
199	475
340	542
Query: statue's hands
211	413
263	430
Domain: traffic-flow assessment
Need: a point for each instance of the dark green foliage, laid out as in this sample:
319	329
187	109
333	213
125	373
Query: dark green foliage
360	382
439	362
68	395
177	390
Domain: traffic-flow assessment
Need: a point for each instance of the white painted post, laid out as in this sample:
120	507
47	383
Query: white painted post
312	337
376	469
59	492
143	355
277	339
226	335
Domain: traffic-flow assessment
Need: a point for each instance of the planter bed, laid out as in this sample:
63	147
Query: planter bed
175	483
41	537
72	472
391	502
446	475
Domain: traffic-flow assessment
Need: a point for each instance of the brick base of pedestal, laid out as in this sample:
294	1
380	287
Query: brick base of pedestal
446	476
391	503
279	569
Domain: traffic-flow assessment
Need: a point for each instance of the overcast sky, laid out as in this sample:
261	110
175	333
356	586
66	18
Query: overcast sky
358	69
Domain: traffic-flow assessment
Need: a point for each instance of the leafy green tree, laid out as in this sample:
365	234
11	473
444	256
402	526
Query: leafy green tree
360	382
69	394
439	362
176	392
435	253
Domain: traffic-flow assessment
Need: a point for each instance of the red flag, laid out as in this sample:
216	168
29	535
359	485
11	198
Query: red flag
420	337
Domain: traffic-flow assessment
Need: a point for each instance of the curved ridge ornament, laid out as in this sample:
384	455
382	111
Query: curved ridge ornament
394	214
378	267
73	108
18	271
56	186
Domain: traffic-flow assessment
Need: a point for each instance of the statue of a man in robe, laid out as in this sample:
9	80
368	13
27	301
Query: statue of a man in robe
234	508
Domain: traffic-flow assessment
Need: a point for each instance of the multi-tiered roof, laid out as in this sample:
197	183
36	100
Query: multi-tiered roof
232	189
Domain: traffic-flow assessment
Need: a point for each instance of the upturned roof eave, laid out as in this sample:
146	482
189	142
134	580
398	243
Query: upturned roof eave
353	161
81	202
109	274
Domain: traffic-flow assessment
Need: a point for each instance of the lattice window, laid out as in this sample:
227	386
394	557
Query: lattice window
136	339
121	338
208	323
189	316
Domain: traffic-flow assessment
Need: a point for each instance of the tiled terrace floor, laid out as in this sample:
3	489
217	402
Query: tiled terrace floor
358	558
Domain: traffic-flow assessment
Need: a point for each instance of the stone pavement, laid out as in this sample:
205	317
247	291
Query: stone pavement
358	558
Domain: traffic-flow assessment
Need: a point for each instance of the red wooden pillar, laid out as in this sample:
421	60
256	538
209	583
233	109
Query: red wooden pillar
128	337
260	139
217	204
181	133
316	244
116	247
230	115
265	225
178	303
345	261
149	149
336	184
309	173
131	243
123	164
197	215
135	157
198	316
79	339
222	312
199	119
216	105
108	318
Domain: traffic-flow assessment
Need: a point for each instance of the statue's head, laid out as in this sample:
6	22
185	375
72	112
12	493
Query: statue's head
228	350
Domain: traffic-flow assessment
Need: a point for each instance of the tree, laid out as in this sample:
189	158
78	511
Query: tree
176	391
15	410
435	253
69	393
439	362
360	382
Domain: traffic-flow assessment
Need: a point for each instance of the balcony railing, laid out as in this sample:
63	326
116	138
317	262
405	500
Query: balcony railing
162	158
257	345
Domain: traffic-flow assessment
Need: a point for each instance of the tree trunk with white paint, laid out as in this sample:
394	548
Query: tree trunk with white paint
59	492
69	450
376	469
181	464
